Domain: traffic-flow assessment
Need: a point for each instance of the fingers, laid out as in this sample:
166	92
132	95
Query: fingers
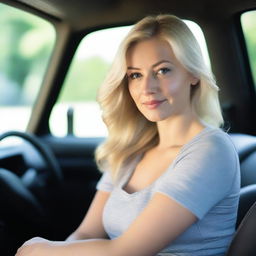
31	246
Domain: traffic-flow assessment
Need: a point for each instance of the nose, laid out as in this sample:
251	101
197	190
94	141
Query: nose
149	85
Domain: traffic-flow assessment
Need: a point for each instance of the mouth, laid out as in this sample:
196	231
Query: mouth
153	104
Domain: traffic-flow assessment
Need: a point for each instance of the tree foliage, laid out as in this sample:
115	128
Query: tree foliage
249	27
26	42
84	79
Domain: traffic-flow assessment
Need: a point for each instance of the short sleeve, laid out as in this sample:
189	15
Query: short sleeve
203	174
105	183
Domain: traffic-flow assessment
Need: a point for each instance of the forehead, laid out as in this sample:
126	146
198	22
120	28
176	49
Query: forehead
150	51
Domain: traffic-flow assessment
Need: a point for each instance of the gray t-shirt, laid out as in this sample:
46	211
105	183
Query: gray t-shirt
204	178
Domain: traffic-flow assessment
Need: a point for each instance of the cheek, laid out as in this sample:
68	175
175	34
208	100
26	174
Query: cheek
175	87
132	92
171	88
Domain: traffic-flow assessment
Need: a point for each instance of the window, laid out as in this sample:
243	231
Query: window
26	42
248	21
88	69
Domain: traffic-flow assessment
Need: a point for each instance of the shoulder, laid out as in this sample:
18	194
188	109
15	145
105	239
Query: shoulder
105	183
212	136
211	142
210	154
203	173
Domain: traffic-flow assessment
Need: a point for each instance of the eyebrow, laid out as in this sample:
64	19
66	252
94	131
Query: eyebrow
154	65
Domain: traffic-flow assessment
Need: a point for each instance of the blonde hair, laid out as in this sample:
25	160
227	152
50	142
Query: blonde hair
130	133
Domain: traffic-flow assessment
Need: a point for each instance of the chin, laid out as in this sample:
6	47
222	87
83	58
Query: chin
155	118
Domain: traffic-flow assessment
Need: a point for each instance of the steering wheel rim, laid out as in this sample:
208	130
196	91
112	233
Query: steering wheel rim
54	170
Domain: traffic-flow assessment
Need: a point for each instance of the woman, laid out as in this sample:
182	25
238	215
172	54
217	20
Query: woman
173	182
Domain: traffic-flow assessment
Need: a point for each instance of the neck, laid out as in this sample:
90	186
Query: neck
177	131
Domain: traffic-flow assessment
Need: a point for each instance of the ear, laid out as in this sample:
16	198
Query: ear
194	80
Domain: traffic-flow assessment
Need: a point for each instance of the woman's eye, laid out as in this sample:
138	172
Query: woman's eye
135	75
163	71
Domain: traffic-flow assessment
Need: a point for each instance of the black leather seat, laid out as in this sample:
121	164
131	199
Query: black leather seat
247	199
246	148
243	243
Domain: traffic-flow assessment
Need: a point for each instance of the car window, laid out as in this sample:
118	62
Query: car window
248	21
26	43
87	71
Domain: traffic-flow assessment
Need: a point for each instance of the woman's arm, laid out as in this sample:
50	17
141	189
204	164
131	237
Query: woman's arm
162	221
91	226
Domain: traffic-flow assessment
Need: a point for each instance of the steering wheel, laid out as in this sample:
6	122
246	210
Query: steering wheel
54	173
22	207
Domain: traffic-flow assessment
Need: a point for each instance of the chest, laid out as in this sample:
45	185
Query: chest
149	169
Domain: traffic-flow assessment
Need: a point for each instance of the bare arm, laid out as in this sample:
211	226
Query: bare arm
91	226
161	222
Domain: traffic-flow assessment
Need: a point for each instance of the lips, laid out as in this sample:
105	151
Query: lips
152	104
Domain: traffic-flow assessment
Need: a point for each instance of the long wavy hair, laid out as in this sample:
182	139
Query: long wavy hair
130	133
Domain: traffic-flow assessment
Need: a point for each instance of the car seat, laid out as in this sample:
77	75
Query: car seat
243	243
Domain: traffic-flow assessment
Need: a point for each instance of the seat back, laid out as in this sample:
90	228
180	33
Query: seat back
246	148
243	243
247	199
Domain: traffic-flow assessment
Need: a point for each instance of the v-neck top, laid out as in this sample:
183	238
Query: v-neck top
204	178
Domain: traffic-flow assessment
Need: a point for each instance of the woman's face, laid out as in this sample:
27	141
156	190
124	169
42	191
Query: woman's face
158	83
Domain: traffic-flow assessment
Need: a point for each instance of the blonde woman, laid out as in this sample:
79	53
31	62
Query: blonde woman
171	180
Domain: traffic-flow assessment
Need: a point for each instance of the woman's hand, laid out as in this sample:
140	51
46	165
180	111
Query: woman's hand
36	246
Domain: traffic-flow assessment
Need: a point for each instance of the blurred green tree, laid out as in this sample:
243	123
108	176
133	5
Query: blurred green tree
26	42
249	28
84	79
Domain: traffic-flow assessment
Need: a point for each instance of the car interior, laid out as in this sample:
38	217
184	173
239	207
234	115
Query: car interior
54	56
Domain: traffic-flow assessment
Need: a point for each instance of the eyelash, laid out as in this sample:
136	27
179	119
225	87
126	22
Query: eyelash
134	75
137	75
164	70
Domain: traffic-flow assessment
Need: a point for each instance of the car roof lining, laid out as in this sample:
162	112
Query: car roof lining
80	14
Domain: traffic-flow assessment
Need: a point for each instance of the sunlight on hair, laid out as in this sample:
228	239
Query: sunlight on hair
198	33
112	38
